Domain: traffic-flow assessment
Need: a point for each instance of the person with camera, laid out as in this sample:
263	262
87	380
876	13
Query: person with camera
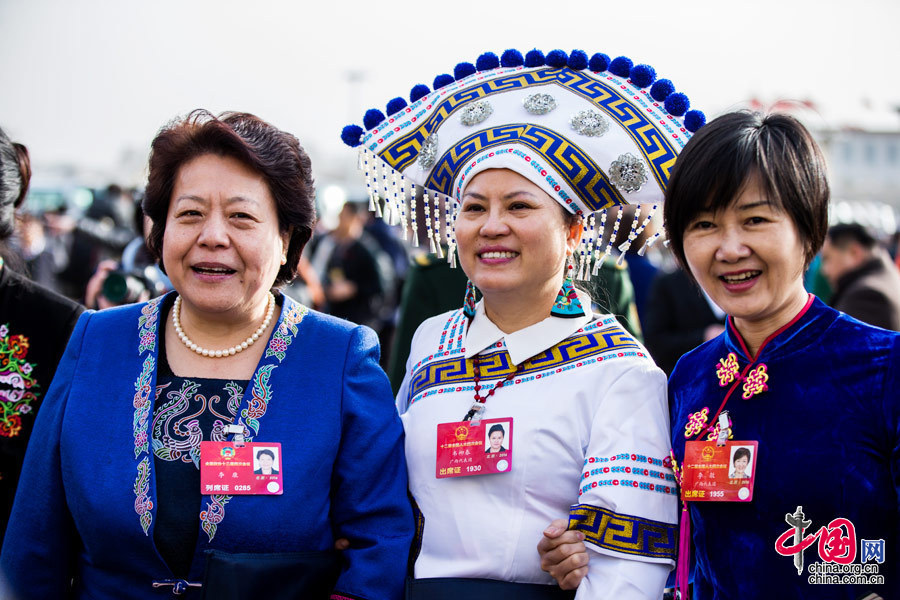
176	395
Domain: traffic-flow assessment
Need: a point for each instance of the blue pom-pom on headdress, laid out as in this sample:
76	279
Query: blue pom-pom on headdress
487	61
599	63
534	58
694	120
557	59
442	80
352	135
418	92
642	75
511	58
578	60
396	105
621	66
463	70
372	118
661	90
677	104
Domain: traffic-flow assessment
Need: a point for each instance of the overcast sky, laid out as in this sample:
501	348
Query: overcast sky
87	82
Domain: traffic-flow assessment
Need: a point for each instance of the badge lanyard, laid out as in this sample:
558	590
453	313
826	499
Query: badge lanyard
476	411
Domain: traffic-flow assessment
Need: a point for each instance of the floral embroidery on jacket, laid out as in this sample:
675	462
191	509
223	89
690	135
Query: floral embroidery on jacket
17	373
147	344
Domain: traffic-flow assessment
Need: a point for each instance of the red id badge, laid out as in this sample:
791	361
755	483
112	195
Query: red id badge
712	473
250	468
467	448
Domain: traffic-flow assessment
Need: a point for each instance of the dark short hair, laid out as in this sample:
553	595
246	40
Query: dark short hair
15	174
276	155
844	233
496	427
263	452
739	453
722	157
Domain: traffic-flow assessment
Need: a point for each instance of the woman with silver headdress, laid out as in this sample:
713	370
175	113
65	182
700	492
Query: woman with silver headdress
516	155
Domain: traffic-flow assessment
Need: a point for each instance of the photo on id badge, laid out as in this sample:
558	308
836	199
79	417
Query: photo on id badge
265	460
495	438
741	462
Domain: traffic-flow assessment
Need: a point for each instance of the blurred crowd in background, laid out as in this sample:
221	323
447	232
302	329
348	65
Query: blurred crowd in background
88	244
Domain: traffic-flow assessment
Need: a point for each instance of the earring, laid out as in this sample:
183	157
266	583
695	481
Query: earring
567	305
469	303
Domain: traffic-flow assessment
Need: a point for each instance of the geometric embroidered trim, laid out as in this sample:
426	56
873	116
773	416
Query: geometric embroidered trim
629	535
577	350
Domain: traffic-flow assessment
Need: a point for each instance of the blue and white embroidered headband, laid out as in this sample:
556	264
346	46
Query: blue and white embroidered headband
591	132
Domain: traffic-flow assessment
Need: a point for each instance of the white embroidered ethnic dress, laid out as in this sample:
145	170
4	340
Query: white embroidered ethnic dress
590	442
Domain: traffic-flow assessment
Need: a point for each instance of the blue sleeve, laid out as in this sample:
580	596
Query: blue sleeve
891	412
369	498
39	549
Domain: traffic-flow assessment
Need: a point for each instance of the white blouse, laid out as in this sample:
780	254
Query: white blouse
590	442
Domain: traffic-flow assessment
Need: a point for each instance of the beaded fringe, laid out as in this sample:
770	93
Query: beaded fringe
389	199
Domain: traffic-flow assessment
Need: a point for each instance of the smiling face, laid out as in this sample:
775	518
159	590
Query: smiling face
513	237
740	465
496	439
749	258
222	246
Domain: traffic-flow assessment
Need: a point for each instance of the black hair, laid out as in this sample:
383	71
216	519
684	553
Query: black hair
265	451
776	151
276	155
843	234
741	453
496	427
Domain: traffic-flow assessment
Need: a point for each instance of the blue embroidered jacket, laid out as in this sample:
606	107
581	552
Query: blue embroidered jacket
87	501
828	428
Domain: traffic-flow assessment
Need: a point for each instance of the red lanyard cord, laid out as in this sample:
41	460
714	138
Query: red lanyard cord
478	406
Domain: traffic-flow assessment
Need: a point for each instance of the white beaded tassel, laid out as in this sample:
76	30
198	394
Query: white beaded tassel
412	211
601	231
426	201
364	159
632	234
451	236
401	200
395	206
650	214
385	195
586	248
436	231
375	197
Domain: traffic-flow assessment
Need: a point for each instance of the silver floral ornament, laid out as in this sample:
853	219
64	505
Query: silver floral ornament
428	152
475	112
539	104
628	173
590	123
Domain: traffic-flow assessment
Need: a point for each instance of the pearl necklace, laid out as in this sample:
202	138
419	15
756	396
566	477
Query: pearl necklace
176	322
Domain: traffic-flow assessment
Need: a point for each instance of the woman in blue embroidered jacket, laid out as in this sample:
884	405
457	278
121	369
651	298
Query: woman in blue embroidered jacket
222	359
746	211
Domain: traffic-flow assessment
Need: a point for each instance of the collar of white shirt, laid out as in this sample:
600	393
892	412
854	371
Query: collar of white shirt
527	342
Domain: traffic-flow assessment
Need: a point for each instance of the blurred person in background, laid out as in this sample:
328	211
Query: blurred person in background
354	271
100	234
680	317
866	282
222	360
135	278
35	324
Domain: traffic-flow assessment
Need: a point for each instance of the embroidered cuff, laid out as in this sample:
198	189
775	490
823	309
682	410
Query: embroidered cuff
624	534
